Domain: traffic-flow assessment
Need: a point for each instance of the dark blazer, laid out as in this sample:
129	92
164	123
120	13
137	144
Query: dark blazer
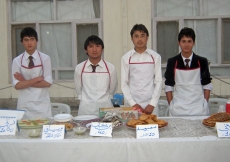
204	69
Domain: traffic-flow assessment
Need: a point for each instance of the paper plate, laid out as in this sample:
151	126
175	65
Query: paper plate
85	117
63	117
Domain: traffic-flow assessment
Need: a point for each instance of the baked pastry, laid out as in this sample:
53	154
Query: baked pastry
145	119
218	117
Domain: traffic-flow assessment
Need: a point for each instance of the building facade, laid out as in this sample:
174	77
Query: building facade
63	26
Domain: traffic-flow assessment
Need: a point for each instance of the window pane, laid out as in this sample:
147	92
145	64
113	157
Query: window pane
30	11
17	47
226	42
96	6
56	42
206	38
53	74
75	9
168	8
214	7
83	32
66	75
167	45
220	71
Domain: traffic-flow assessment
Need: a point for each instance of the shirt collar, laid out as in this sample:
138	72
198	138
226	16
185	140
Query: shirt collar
35	55
100	63
190	57
146	51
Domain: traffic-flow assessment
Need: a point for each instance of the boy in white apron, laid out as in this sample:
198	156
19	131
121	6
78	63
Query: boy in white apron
188	82
95	79
141	77
32	76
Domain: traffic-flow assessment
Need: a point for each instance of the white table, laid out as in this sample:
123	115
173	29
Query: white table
183	140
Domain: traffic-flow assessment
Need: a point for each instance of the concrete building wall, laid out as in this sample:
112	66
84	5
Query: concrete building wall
118	18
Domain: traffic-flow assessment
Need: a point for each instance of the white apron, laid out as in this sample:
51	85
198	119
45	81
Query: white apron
95	91
188	99
35	101
141	82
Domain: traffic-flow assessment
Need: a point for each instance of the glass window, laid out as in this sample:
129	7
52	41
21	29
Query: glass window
225	41
83	31
66	75
206	38
210	20
75	9
56	42
62	27
17	47
214	7
167	44
168	8
24	10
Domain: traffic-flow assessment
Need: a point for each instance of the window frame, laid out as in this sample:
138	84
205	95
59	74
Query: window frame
181	20
73	23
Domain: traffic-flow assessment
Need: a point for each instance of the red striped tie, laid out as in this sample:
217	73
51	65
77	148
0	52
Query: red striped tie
94	68
31	63
187	60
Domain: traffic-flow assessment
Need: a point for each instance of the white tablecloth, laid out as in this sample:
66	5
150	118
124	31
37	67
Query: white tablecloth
183	140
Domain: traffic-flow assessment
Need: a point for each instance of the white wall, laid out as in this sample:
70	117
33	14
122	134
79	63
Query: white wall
4	61
119	16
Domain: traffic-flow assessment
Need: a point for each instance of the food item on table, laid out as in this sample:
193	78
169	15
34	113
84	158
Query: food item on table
32	123
145	119
68	126
113	118
218	117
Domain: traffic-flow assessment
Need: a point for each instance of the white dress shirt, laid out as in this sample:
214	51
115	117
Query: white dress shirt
23	59
170	88
144	57
100	68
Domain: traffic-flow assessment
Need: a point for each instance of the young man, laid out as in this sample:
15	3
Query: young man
32	76
187	75
141	77
95	79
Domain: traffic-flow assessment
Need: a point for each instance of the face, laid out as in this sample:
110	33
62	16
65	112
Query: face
186	44
139	39
94	51
30	44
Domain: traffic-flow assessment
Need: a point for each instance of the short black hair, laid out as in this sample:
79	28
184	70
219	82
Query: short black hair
188	32
94	40
139	27
28	32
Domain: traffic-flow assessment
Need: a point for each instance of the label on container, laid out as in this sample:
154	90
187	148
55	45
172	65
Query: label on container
147	131
223	129
53	132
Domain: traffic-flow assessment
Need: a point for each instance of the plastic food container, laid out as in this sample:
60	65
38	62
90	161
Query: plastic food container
79	130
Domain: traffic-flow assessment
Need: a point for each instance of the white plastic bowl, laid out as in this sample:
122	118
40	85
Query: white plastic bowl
79	130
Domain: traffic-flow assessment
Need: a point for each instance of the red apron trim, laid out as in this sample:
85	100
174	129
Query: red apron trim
34	66
96	72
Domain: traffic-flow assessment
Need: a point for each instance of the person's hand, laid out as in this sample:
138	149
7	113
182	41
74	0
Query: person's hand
149	109
19	76
40	78
138	107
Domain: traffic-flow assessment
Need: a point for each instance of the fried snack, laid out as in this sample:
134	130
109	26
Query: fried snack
218	117
153	117
145	119
161	123
68	126
149	121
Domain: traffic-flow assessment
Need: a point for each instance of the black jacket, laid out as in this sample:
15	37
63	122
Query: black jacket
204	69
